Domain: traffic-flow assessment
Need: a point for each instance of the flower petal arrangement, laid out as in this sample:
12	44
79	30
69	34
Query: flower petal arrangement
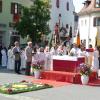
85	69
20	87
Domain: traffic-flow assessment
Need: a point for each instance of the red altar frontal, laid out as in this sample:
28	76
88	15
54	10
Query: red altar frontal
66	63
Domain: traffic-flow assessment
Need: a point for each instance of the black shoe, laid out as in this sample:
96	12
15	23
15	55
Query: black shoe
18	73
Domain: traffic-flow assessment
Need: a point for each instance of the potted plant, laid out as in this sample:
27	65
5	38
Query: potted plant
37	68
85	71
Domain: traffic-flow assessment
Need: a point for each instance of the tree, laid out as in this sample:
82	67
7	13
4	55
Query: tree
34	20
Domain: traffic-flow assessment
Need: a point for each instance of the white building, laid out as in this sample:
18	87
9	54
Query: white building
89	22
10	11
62	12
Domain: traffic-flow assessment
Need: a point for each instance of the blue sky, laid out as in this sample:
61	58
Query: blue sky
78	4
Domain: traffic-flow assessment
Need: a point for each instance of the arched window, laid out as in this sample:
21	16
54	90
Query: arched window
67	6
57	3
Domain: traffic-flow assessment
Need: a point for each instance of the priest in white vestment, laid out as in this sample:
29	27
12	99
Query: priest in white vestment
4	57
74	51
48	59
42	57
95	62
11	60
23	61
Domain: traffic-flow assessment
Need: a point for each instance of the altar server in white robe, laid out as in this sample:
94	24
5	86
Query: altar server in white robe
42	57
95	62
10	65
4	57
48	59
23	61
35	56
81	51
90	53
62	50
74	50
54	50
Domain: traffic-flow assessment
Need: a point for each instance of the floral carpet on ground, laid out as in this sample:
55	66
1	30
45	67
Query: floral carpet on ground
20	87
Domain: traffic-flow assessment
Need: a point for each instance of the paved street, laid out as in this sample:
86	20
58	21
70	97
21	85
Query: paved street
69	92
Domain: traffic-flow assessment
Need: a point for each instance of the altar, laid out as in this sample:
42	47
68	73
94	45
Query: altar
66	63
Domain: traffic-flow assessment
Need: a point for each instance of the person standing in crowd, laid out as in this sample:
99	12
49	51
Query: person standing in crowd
4	57
28	58
48	58
54	50
23	62
42	57
99	61
62	50
0	55
90	54
99	56
10	65
95	62
82	51
34	56
74	50
17	54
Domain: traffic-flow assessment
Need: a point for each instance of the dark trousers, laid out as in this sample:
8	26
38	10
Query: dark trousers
28	68
17	66
99	62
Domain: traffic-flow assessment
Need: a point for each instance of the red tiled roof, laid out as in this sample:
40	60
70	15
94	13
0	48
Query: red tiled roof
89	9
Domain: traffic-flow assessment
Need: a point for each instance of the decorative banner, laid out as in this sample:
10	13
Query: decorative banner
78	39
98	36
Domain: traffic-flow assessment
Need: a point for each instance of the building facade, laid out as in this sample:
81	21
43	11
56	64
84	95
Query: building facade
10	11
89	23
62	12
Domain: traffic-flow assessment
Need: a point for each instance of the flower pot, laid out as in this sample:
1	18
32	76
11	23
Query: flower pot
37	74
84	79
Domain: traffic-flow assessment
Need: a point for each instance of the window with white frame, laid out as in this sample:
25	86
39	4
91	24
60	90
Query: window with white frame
57	3
96	21
15	8
67	6
97	4
81	22
85	22
0	5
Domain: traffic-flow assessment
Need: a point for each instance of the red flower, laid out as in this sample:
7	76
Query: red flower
9	90
85	69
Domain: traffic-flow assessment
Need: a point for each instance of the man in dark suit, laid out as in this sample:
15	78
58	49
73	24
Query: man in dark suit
17	52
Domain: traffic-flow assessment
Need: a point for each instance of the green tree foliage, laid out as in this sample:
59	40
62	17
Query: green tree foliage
34	20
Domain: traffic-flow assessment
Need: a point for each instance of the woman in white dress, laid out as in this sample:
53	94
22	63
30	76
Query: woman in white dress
10	64
4	57
95	62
